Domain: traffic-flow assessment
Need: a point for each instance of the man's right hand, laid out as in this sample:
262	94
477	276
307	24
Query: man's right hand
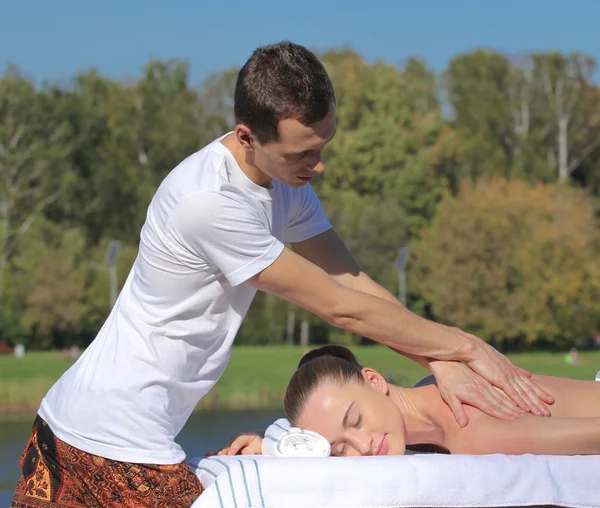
514	381
459	386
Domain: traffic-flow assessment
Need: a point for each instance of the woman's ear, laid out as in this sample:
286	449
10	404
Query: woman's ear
376	380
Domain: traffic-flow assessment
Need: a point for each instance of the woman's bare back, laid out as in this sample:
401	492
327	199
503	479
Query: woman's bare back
573	398
570	430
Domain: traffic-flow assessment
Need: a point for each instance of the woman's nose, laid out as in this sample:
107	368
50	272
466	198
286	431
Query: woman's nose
363	443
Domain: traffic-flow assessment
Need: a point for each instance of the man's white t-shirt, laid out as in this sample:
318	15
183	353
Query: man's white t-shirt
168	338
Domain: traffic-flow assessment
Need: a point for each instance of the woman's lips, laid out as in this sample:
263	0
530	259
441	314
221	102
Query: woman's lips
382	449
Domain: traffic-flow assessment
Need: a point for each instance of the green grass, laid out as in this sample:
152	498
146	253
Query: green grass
24	382
256	376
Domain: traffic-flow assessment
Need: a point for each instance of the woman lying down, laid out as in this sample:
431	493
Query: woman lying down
360	413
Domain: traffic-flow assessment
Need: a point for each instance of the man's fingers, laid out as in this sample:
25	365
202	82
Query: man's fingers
497	405
532	397
524	372
457	410
543	395
499	378
538	407
502	406
526	392
515	393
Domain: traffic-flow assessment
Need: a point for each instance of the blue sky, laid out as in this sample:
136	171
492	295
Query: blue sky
55	39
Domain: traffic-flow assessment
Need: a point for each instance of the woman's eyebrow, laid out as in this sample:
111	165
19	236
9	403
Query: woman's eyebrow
345	420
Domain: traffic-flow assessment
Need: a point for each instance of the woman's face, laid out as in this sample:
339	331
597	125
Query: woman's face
356	418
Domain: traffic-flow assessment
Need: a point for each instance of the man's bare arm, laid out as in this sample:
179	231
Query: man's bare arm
299	281
457	384
329	252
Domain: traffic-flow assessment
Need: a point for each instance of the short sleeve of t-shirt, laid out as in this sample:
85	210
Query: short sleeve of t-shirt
225	230
306	217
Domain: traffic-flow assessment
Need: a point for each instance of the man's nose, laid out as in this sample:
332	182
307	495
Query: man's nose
319	167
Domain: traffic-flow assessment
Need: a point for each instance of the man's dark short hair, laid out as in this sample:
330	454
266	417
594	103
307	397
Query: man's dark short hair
280	81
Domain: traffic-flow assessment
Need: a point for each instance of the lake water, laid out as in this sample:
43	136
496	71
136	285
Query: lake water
205	431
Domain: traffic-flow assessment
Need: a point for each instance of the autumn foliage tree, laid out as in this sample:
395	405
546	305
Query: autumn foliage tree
513	263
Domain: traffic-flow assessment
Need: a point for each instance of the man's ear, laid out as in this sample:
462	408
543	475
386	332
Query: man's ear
244	136
376	380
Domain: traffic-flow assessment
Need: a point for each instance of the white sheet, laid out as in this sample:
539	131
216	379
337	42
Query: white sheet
400	481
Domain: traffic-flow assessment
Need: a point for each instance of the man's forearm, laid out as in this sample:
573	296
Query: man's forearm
301	282
364	307
362	282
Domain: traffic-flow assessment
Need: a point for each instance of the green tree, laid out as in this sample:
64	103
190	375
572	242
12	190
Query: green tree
33	172
49	282
392	140
569	101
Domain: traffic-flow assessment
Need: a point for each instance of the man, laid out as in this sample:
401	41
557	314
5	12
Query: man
214	234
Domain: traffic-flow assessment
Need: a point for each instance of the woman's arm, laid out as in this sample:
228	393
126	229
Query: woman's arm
528	434
243	444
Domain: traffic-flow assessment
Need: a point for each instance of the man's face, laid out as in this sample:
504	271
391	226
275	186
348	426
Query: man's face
296	157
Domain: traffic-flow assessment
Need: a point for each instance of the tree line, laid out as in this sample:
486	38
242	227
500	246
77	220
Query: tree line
489	172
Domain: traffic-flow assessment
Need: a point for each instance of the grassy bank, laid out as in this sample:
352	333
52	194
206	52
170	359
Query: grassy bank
255	377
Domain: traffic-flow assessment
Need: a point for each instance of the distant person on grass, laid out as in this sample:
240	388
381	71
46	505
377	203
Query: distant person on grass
215	233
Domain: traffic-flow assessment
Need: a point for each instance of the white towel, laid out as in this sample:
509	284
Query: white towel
282	440
398	481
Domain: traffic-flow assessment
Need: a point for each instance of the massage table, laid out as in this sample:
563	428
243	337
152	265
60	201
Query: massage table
413	480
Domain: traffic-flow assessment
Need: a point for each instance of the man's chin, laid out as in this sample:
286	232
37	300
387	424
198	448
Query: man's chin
298	183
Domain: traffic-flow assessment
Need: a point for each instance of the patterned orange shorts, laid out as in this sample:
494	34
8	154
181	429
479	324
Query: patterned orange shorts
57	475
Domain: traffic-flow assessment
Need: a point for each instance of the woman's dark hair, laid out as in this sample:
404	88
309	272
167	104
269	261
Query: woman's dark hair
280	81
327	363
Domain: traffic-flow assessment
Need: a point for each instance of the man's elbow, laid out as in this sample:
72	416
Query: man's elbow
341	314
344	322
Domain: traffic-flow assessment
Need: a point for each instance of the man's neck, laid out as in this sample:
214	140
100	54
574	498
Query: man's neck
421	415
244	160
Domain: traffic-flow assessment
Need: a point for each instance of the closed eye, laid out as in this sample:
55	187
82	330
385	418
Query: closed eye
297	156
358	422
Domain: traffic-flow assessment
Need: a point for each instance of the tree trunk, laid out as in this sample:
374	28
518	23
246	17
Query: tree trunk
304	333
4	231
291	325
563	150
